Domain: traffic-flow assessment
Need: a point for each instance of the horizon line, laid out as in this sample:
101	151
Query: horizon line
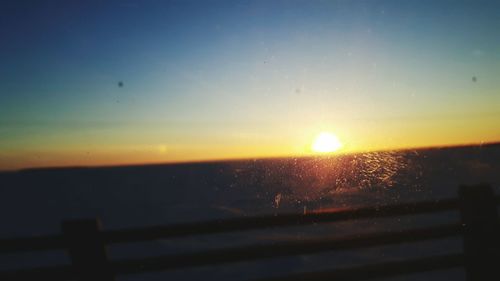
242	159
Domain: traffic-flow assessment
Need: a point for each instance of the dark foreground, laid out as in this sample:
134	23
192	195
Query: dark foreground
35	201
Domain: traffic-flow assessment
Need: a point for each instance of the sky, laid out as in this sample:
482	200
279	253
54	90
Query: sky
86	83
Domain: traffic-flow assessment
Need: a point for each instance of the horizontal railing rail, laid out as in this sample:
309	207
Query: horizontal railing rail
53	273
380	270
262	222
86	243
31	244
292	248
49	242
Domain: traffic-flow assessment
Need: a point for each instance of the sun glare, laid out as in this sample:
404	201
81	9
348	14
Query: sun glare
326	142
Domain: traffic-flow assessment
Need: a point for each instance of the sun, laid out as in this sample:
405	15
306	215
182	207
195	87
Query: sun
326	142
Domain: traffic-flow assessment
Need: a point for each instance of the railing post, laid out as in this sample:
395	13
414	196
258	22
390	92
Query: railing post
87	250
481	232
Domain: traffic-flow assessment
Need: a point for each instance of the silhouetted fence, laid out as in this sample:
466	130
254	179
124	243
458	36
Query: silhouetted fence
86	243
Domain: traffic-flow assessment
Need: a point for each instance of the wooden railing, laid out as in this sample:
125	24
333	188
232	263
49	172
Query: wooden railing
86	243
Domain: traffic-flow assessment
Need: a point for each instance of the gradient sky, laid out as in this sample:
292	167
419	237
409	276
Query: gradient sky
236	79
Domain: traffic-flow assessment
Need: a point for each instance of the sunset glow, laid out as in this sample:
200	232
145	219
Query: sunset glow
86	83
